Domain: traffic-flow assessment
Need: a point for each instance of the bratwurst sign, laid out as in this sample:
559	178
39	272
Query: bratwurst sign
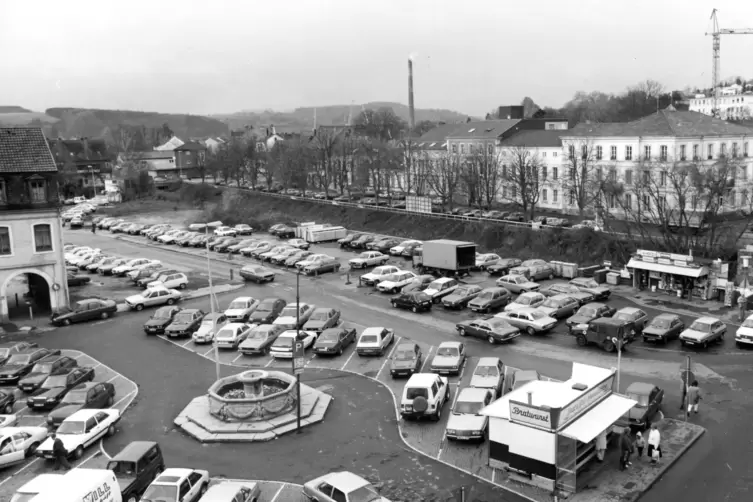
530	415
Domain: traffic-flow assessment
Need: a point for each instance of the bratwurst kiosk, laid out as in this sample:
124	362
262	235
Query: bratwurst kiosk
544	432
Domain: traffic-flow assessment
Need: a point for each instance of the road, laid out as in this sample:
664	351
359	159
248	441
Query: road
715	469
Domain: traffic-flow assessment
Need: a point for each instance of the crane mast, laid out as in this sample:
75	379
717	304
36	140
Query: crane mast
716	36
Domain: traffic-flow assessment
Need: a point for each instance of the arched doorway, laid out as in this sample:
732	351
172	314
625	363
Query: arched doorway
27	289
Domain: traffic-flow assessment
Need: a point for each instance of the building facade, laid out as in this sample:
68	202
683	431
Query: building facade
734	102
190	159
32	264
85	163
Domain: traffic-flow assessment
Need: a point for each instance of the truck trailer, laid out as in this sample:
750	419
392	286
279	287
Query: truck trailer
446	258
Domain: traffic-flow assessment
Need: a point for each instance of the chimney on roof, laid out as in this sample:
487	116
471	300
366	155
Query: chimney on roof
85	143
411	109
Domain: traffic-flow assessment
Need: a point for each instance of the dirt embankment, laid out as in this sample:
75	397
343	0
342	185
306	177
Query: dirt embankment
578	246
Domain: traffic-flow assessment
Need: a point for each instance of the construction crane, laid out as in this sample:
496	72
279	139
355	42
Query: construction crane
716	35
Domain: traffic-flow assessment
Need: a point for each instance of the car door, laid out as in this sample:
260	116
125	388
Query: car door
324	492
95	397
479	329
9	451
195	479
184	491
243	333
419	357
103	423
462	354
514	320
91	432
676	328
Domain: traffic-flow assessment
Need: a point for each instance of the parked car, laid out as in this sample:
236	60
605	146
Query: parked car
7	400
225	246
175	280
81	430
424	396
225	231
368	259
85	310
333	341
441	288
420	283
143	282
649	399
417	301
394	283
321	266
489	374
589	312
268	255
257	273
406	360
184	485
588	285
378	274
107	268
8	349
282	348
184	323
532	299
49	365
260	339
345	241
401	247
483	261
604	332
232	335
135	467
665	327
243	229
361	242
295	315
267	311
130	265
210	325
56	386
77	280
530	320
86	395
704	331
569	290
341	486
154	296
280	258
449	358
466	422
18	444
492	329
384	246
638	317
157	323
322	318
490	299
516	284
534	272
460	297
559	306
374	341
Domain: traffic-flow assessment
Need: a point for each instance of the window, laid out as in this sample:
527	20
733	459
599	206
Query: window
599	174
5	244
722	150
612	204
584	152
710	152
37	191
662	204
612	153
628	153
555	195
629	176
462	147
554	154
628	201
646	176
663	178
646	202
571	152
454	148
647	152
572	197
612	174
572	173
504	192
471	148
734	150
745	149
543	173
185	487
743	172
513	191
554	173
42	238
490	149
694	201
544	195
543	154
682	152
663	153
599	152
695	152
504	170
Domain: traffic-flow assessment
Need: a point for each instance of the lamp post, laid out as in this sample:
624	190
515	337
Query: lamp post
297	338
743	300
212	301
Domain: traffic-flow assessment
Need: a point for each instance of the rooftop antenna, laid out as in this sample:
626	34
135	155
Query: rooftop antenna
314	130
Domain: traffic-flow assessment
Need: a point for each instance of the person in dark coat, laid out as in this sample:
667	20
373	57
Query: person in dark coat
61	454
626	448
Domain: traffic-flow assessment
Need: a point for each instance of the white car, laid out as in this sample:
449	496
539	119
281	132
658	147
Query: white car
8	420
368	259
449	358
465	422
486	260
379	273
744	334
178	485
81	430
299	243
393	283
341	487
398	250
174	280
169	235
232	334
440	288
151	297
294	315
531	299
82	258
172	238
489	374
282	348
374	341
225	232
528	319
17	443
243	229
207	328
241	308
78	251
130	265
247	251
314	258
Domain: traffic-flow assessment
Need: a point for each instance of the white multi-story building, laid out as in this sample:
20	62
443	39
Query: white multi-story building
734	103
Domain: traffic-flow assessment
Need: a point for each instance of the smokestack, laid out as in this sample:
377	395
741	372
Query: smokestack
411	109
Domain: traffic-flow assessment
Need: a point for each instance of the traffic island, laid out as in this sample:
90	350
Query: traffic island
252	406
606	483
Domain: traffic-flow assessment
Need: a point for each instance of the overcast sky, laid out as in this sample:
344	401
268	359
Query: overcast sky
471	55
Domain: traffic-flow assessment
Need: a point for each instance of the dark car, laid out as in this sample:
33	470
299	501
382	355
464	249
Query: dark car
86	310
490	328
633	315
604	332
184	323
503	266
156	324
419	283
416	301
361	242
520	217
7	400
589	285
663	328
135	467
569	290
649	399
257	274
91	395
460	297
345	241
20	364
225	246
588	313
78	280
9	348
333	341
50	365
384	246
260	339
54	389
490	299
407	360
321	319
267	311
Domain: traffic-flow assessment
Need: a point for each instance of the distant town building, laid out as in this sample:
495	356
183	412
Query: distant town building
735	103
85	162
190	159
171	144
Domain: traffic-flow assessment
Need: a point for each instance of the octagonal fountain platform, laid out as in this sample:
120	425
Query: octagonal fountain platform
251	406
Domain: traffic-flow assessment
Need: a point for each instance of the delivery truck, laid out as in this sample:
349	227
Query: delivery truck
446	258
83	485
327	234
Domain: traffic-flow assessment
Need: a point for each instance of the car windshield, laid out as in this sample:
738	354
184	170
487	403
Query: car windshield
435	285
486	371
642	399
183	318
258	334
122	467
160	493
701	326
256	270
71	427
462	291
319	316
447	351
209	320
289	311
55	381
499	324
537	315
364	494
238	304
664	323
468	407
405	354
163	313
524	300
42	368
4	352
19	359
413	393
623	316
265	307
551	303
365	255
284	341
488	295
369	339
226	333
587	311
75	397
329	336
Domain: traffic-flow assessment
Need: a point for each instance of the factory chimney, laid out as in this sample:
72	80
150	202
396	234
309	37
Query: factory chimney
411	109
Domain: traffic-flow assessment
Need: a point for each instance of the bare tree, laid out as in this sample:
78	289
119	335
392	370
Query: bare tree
444	178
581	181
522	175
325	143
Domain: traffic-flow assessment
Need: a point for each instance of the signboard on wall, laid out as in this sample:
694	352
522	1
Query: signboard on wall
531	415
417	204
585	402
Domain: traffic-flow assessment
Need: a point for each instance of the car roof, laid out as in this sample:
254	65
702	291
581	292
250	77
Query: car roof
190	311
84	414
629	310
235	325
444	279
472	394
377	330
406	345
493	289
594	304
640	388
345	481
450	344
609	321
488	361
323	309
666	315
707	319
244	299
422	379
86	385
525	310
134	451
562	296
531	293
172	472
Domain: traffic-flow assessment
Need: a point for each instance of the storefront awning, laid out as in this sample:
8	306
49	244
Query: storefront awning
601	417
668	269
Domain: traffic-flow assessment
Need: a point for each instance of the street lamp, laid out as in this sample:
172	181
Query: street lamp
212	301
743	295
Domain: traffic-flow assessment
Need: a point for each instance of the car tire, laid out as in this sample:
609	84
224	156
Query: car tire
78	452
461	332
551	276
170	301
393	304
609	346
32	449
183	286
531	331
140	307
110	400
438	415
8	409
581	340
415	310
105	315
491	340
340	351
132	498
66	322
111	431
202	490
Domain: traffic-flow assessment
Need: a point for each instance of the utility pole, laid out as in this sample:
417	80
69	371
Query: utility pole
211	305
297	338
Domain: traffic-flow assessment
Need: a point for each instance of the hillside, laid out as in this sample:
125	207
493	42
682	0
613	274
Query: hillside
14	109
303	118
20	116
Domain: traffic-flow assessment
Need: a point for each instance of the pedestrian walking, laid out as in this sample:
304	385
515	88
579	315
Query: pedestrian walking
640	444
626	448
601	445
654	444
94	228
60	453
694	397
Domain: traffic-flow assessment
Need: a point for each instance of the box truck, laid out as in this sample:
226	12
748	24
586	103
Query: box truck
446	258
329	234
83	485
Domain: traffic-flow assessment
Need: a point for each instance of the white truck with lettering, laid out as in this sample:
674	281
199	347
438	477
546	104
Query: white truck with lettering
83	485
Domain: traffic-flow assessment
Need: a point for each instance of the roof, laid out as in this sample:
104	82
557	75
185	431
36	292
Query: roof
450	344
83	414
706	319
535	139
664	123
639	388
173	472
434	139
482	129
488	361
526	375
80	149
346	481
629	310
472	394
191	146
422	379
40	481
154	155
134	450
374	329
25	150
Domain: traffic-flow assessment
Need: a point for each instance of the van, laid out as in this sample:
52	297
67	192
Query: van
83	485
232	491
43	482
135	467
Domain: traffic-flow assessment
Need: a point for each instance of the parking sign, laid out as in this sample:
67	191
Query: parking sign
299	358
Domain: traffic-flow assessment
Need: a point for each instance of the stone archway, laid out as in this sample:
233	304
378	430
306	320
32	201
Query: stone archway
25	288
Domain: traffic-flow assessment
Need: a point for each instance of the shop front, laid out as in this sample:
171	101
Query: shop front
544	432
679	275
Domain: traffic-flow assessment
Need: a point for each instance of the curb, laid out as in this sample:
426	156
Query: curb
218	290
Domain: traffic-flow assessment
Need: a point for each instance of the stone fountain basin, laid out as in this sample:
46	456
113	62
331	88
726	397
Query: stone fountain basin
278	396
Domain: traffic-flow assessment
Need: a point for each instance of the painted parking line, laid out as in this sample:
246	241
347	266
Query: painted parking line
113	378
277	493
188	342
96	366
205	354
427	359
348	360
389	354
269	363
236	358
129	395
